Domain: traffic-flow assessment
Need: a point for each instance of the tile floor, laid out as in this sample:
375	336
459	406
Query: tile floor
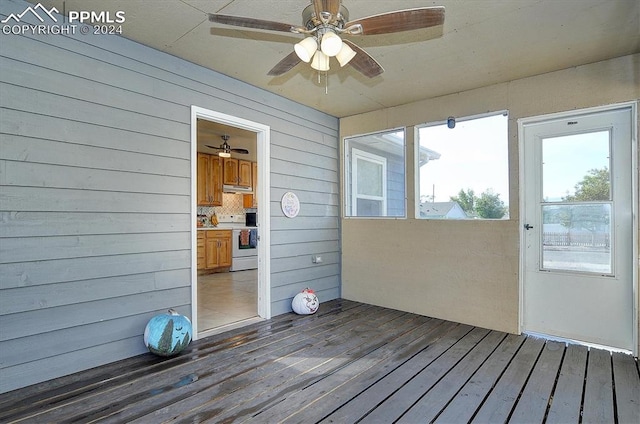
226	298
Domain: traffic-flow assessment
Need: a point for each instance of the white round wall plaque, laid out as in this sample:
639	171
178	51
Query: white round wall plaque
290	204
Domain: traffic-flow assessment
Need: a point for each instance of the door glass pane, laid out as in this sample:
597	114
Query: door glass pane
369	178
576	168
577	237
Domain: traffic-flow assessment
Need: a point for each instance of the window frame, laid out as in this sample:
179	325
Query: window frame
457	120
373	158
348	198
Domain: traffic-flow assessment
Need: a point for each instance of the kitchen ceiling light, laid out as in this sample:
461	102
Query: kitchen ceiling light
320	62
330	44
306	48
224	154
345	54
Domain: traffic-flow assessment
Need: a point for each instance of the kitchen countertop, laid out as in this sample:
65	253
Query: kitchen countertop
226	227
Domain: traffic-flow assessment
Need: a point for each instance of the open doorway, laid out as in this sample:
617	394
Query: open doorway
230	275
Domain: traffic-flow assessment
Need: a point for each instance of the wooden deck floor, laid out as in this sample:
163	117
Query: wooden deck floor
349	363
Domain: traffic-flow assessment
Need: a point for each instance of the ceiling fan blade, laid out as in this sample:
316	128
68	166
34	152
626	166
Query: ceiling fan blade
285	64
401	20
241	151
329	6
253	23
363	62
214	147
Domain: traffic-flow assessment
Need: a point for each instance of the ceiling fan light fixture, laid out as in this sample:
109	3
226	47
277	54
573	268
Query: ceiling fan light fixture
331	44
325	21
345	54
306	48
320	62
224	154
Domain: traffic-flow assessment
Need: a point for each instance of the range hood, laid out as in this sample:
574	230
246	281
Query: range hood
236	189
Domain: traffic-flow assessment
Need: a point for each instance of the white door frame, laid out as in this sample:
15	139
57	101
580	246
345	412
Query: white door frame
634	189
263	135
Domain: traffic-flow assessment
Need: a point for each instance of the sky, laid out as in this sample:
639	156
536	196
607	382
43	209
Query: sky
568	159
474	156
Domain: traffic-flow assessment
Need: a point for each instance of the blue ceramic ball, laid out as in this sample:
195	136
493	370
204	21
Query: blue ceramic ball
168	334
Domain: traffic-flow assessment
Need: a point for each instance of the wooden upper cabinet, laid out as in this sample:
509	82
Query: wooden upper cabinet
201	180
215	178
244	173
231	171
237	172
209	180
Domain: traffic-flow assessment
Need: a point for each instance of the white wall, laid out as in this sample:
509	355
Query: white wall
464	271
95	195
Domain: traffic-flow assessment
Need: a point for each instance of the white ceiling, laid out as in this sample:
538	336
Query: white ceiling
483	42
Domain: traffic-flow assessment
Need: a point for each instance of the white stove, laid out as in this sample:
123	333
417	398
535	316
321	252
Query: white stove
242	257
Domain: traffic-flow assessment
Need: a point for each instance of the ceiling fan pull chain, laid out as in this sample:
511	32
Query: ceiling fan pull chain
326	83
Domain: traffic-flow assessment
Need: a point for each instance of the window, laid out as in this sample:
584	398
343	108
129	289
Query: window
369	184
463	169
375	175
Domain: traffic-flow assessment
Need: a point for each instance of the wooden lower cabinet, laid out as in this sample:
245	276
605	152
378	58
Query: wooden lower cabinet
214	249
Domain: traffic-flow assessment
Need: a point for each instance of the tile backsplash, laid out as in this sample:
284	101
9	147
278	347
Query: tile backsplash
231	205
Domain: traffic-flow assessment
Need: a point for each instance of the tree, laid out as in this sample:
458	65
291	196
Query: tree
466	200
593	187
489	206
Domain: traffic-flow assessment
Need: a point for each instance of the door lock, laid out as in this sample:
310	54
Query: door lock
528	227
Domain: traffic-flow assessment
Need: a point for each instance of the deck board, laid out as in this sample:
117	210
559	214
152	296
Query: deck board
395	405
368	400
224	368
439	395
627	386
503	397
464	404
535	397
598	389
567	399
294	372
350	362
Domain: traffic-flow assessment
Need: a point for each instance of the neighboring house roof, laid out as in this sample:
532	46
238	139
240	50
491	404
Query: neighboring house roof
425	155
442	210
394	143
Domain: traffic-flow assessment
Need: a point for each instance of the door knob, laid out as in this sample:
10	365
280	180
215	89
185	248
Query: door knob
528	227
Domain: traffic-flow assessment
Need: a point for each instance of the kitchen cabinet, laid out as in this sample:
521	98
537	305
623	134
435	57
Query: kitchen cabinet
237	172
209	180
214	249
251	200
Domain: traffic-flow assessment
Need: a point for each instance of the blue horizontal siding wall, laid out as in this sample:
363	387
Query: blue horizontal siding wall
95	195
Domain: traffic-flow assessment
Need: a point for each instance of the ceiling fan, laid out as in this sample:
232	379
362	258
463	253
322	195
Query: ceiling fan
325	21
225	149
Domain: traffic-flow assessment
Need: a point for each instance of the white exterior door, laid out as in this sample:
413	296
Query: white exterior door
577	230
